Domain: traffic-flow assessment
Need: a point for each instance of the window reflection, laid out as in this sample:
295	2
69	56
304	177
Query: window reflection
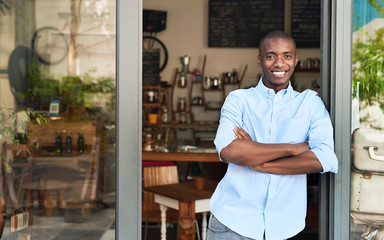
58	60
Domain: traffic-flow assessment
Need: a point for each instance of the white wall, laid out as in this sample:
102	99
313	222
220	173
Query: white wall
186	33
97	34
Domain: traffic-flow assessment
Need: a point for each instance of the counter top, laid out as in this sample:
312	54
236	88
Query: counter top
180	157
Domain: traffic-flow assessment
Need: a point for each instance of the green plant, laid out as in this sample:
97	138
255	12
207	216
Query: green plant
44	87
103	87
72	90
8	128
368	67
10	132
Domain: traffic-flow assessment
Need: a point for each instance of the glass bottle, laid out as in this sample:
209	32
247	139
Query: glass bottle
59	147
68	143
80	143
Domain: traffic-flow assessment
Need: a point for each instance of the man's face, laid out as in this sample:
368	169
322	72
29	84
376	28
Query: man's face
278	60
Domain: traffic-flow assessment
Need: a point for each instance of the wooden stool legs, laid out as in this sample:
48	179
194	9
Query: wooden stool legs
45	199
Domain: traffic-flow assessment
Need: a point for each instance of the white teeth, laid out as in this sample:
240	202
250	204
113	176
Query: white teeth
279	73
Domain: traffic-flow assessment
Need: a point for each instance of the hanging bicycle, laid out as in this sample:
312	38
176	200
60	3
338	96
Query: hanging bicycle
152	42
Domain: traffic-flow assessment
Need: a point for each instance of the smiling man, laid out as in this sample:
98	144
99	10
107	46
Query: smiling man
271	136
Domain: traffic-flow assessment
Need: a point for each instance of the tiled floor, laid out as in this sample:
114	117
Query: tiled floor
100	225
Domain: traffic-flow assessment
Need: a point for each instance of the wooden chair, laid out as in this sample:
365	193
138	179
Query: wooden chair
154	176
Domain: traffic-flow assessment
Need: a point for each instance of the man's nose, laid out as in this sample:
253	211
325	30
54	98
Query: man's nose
279	61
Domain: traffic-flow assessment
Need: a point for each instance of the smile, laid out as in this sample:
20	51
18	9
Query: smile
279	74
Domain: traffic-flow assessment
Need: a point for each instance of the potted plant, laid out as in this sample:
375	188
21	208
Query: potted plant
199	181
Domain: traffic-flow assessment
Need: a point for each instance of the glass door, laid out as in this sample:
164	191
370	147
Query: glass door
367	151
58	62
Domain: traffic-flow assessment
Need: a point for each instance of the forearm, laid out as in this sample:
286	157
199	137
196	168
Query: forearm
303	163
249	153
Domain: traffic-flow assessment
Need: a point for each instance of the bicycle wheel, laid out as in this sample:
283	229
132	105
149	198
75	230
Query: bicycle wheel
150	42
50	45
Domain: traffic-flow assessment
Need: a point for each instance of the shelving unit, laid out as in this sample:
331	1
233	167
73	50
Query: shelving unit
149	105
304	78
223	88
204	91
189	99
152	102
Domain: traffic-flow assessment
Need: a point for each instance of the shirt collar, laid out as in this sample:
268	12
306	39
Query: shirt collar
268	92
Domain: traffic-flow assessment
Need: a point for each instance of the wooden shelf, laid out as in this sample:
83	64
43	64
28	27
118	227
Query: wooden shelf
208	125
180	157
214	89
151	104
151	86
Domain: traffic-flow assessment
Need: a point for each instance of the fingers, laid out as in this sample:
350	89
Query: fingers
241	134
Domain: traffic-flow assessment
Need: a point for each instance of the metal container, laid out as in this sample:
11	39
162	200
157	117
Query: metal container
367	176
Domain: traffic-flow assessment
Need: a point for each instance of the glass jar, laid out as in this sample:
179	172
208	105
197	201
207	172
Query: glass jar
183	117
165	116
181	104
182	81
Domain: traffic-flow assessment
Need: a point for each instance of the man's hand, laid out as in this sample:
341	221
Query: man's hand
241	134
295	148
298	148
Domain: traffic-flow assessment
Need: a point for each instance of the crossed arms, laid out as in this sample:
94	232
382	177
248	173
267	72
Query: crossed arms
285	158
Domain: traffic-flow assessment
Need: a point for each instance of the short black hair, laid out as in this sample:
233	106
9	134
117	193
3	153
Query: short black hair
276	34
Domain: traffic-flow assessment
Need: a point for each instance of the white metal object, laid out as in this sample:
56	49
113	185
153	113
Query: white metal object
371	150
367	177
368	150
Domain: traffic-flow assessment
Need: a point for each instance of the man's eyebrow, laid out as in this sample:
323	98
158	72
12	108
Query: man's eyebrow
287	52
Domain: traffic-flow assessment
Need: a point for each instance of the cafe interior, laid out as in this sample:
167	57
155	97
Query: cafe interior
58	101
194	54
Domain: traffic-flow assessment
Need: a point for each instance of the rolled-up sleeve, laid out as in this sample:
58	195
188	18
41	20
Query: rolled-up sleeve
320	138
231	116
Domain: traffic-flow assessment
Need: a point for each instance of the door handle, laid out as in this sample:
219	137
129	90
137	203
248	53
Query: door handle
371	151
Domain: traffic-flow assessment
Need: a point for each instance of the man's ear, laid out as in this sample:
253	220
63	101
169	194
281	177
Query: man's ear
296	59
259	60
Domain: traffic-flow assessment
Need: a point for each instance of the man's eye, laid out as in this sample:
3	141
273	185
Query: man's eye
288	56
269	57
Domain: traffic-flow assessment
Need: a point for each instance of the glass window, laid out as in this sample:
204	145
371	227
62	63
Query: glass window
367	173
57	121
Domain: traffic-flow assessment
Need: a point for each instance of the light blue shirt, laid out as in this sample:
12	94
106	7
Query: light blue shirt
250	202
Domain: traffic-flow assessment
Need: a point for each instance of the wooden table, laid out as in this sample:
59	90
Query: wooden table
58	171
183	197
45	193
